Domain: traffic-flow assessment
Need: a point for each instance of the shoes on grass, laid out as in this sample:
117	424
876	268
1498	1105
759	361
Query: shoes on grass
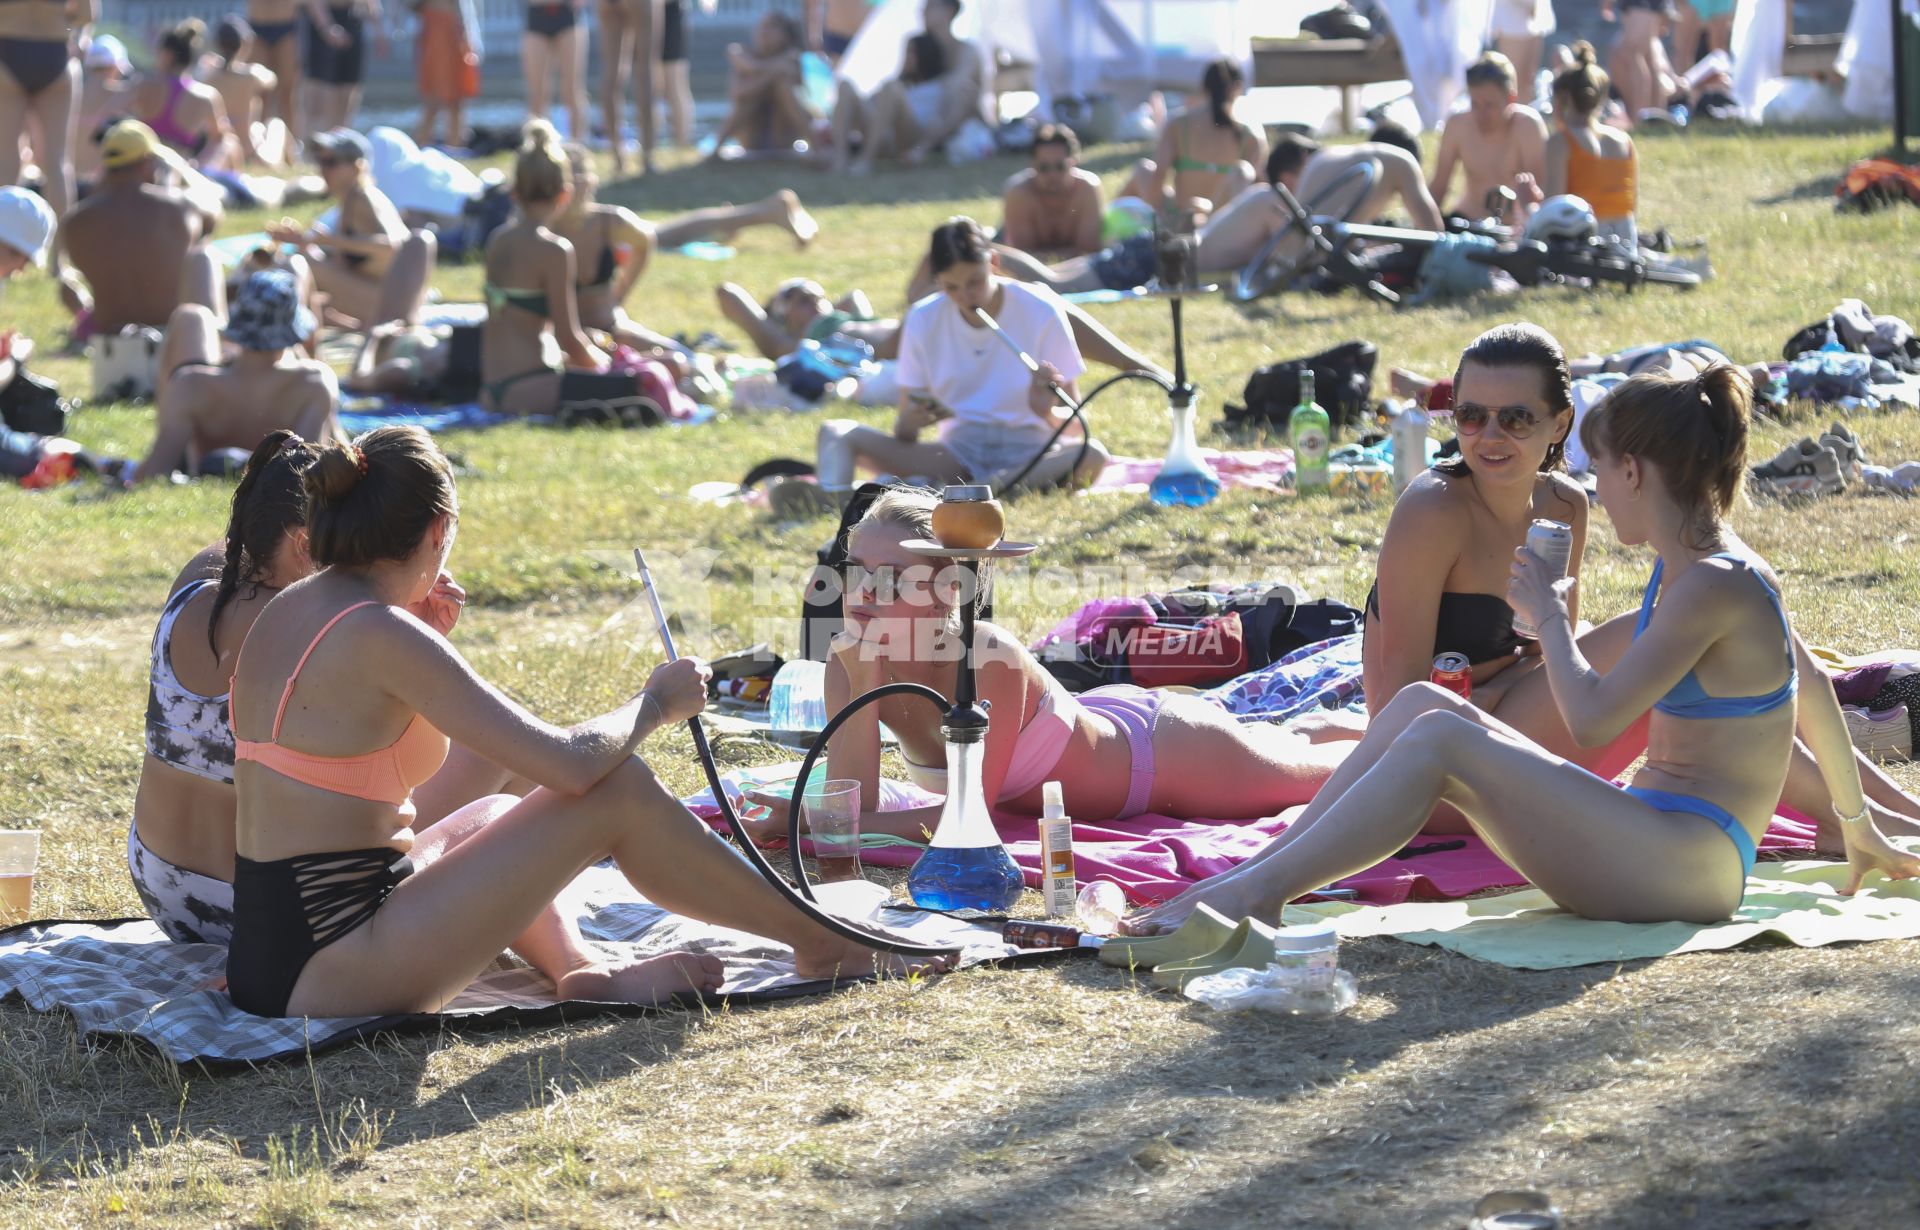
1804	467
1886	735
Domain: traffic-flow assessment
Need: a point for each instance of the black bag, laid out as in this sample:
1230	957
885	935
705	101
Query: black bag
32	404
460	382
1340	21
1342	384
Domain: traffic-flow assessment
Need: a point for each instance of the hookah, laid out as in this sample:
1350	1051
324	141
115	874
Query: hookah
1185	478
803	899
965	867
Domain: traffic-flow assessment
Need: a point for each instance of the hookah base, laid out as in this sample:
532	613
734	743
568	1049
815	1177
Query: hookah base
1190	489
981	878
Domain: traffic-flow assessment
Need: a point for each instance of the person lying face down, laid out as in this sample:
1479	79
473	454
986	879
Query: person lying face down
1713	656
1117	751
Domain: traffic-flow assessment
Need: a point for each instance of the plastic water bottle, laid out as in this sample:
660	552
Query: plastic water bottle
1409	434
797	702
1305	978
1309	431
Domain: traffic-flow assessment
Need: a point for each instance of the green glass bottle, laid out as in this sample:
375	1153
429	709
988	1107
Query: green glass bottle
1309	431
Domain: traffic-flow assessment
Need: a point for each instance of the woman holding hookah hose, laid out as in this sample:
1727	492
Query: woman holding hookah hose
994	409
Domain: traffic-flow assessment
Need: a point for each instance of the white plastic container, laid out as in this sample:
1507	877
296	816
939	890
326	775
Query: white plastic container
1309	954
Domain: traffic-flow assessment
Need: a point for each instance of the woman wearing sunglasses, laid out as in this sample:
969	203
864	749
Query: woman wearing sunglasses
1442	581
1711	655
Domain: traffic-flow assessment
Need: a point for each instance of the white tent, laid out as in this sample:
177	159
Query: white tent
1125	48
1438	39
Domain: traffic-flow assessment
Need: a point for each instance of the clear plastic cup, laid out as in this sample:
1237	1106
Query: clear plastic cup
19	858
832	813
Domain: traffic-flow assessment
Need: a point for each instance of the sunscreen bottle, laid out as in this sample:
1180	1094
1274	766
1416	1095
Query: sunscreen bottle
1056	853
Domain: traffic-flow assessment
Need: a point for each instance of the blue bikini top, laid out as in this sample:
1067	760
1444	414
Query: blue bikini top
1687	699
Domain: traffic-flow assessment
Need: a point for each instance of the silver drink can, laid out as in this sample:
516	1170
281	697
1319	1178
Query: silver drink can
1552	541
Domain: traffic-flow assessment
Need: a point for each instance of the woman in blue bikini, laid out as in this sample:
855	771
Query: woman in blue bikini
1670	457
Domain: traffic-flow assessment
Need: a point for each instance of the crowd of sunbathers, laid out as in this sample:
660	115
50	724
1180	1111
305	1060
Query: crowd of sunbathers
327	778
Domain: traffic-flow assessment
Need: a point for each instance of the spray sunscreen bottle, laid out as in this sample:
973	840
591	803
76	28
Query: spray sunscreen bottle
1056	852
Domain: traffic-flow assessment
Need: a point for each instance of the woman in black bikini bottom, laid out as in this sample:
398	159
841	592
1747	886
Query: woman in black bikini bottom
39	82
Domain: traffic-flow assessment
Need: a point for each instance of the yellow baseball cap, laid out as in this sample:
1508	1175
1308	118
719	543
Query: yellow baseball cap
127	143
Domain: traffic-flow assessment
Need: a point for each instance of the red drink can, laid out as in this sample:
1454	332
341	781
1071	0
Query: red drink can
1453	672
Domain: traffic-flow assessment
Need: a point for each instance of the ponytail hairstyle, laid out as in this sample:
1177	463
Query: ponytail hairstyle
1692	428
182	42
541	172
375	499
1222	77
270	501
958	241
231	36
1521	344
1584	86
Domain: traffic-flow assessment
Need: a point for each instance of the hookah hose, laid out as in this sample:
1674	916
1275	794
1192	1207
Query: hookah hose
805	904
1074	408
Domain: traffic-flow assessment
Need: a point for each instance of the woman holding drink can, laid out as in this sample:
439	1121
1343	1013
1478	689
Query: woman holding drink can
1447	550
1712	658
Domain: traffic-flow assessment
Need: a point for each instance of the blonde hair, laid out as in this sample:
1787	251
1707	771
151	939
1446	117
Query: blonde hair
910	509
541	173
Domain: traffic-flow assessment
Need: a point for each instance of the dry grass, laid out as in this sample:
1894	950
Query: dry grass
1766	1087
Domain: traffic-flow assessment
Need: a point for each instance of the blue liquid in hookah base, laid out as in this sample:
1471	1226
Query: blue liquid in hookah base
965	878
1190	488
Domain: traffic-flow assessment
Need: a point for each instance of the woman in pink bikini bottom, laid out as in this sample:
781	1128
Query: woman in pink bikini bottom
1117	751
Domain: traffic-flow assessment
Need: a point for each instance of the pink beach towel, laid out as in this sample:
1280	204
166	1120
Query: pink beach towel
1154	857
1260	469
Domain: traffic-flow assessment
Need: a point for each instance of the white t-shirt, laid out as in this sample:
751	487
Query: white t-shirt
975	374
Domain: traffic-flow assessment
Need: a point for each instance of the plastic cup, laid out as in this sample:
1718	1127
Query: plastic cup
832	812
19	856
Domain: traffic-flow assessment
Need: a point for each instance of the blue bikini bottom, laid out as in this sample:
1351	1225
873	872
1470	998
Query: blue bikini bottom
1667	800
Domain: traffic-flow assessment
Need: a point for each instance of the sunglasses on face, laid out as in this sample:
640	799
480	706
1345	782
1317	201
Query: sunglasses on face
1470	419
326	162
1054	166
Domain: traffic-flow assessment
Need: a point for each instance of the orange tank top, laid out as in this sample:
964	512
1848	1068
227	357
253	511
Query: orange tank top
1607	184
384	776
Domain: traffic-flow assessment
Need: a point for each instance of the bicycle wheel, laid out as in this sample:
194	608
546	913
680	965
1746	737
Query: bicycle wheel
1289	253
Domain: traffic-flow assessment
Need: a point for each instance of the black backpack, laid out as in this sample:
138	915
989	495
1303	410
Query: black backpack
32	404
1342	384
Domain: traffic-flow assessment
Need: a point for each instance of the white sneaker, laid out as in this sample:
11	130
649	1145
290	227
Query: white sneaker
1805	468
1846	446
1886	735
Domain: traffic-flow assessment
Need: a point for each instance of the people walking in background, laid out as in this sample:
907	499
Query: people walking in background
336	49
40	89
630	31
556	41
276	47
447	60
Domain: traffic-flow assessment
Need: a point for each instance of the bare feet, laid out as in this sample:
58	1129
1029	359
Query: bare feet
650	981
795	218
1403	383
1228	893
838	958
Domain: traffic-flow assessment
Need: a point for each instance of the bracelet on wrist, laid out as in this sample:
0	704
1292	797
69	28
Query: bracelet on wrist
1850	821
